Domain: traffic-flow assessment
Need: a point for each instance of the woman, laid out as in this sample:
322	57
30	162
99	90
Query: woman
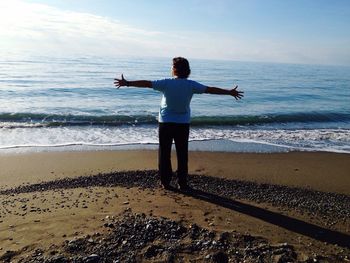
175	115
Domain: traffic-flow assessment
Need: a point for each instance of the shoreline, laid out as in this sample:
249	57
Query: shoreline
205	145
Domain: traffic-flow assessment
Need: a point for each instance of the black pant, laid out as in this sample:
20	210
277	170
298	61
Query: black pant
179	132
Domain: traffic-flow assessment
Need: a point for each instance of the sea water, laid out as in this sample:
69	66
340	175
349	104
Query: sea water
71	103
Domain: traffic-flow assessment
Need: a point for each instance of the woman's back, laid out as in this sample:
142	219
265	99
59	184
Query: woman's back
177	95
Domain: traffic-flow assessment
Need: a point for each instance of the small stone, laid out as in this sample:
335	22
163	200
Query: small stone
58	259
224	237
9	254
93	258
220	257
110	225
152	251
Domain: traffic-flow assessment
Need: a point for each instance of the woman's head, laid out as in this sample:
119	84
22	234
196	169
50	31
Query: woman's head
181	67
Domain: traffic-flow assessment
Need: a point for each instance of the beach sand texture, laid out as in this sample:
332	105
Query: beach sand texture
295	203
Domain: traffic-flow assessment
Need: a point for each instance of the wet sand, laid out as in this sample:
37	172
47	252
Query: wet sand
48	218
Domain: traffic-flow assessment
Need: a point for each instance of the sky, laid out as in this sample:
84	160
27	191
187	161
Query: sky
286	31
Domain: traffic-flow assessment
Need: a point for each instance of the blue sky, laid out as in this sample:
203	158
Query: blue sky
298	31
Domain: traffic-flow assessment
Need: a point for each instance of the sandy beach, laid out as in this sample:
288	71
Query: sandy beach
295	203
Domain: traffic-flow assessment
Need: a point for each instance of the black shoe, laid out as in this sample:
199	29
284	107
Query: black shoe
185	188
167	187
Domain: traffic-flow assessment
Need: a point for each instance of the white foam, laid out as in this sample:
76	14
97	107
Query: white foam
14	125
333	140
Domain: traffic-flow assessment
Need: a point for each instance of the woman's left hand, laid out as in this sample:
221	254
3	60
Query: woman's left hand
236	93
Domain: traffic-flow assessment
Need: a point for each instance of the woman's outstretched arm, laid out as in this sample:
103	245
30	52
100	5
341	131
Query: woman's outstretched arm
233	92
136	83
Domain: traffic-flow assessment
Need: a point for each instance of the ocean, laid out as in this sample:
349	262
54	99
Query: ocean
55	103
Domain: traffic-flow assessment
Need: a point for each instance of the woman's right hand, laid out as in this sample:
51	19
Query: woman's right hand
121	82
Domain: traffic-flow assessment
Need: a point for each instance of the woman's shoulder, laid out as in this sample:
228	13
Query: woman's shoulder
164	80
177	82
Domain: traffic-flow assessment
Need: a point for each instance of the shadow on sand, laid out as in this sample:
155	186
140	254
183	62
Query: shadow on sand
286	222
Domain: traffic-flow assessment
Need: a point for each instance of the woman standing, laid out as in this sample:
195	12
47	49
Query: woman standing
175	116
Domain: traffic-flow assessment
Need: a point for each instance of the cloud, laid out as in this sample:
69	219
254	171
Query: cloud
41	29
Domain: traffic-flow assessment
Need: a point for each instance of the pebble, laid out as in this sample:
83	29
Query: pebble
141	236
220	257
93	258
333	207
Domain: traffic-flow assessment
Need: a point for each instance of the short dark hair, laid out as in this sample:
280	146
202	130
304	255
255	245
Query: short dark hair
181	67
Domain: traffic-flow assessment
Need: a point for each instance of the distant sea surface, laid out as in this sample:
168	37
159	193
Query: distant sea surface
67	102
